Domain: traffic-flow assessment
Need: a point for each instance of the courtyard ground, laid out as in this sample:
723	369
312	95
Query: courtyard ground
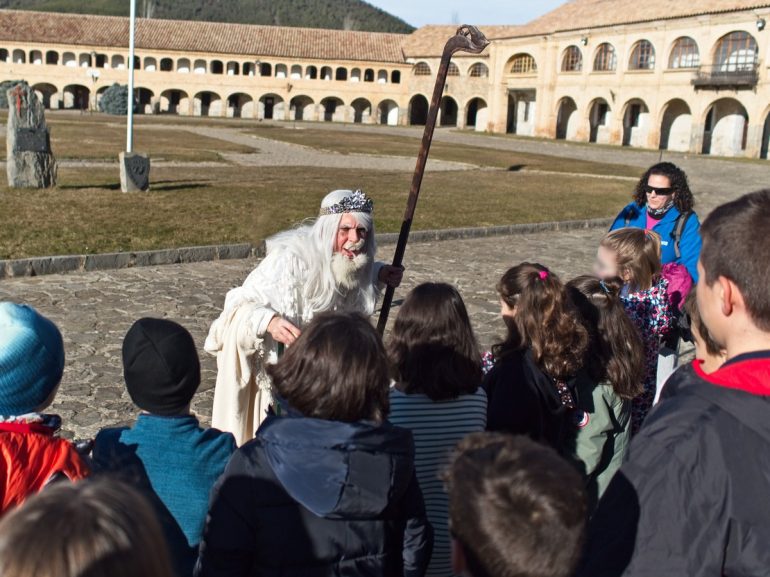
94	310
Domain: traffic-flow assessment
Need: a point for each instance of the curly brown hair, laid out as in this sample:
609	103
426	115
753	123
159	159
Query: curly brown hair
616	353
544	321
433	348
683	198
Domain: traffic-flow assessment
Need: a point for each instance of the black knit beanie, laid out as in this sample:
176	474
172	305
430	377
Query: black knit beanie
160	366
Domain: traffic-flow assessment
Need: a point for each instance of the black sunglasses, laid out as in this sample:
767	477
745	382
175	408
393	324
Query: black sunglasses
659	191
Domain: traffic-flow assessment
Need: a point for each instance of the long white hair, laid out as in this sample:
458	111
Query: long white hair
313	243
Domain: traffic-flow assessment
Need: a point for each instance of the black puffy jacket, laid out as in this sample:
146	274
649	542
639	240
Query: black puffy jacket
693	498
316	498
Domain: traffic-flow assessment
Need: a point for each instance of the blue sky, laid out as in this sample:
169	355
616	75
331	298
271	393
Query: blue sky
421	12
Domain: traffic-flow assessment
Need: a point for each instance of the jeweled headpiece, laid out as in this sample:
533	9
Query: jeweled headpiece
356	202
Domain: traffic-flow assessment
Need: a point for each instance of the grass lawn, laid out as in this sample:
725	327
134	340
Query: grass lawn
100	137
193	206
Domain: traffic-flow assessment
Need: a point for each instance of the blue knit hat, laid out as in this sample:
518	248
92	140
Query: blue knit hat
31	359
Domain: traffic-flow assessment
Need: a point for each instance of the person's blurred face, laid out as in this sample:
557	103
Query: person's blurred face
658	191
351	237
710	306
606	265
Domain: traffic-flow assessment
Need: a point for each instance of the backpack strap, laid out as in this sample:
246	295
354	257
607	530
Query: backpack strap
681	222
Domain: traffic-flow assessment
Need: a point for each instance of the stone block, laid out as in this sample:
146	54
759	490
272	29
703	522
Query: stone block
134	172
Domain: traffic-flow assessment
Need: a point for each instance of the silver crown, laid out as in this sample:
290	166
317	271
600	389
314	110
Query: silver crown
356	202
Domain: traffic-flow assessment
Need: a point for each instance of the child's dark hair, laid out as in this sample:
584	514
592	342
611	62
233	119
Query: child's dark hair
637	252
433	348
735	246
696	324
683	198
616	352
337	370
515	507
543	322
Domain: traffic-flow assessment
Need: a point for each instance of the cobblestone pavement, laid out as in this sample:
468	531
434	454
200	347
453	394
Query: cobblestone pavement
94	310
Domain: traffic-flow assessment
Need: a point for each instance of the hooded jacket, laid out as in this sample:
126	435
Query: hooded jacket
692	498
31	457
310	497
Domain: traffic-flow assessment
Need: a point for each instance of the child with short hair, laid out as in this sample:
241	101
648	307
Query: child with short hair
31	368
530	386
329	486
633	255
691	499
516	509
611	378
95	528
166	453
437	396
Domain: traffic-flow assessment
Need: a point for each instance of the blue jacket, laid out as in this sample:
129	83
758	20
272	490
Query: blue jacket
175	463
689	244
315	498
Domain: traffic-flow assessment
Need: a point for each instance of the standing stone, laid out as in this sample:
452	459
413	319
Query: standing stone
134	172
30	162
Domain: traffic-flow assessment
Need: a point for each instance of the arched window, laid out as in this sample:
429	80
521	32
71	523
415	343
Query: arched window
523	64
217	67
311	73
572	60
453	70
478	70
642	56
341	74
166	65
368	75
684	54
736	52
422	69
395	77
265	69
605	60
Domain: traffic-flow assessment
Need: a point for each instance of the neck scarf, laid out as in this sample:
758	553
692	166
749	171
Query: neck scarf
657	213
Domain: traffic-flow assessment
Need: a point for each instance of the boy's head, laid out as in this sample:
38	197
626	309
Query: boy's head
31	360
160	366
734	291
516	508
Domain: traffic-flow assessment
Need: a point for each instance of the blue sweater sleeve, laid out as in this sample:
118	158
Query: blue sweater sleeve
690	245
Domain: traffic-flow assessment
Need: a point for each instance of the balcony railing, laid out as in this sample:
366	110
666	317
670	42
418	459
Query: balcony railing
726	76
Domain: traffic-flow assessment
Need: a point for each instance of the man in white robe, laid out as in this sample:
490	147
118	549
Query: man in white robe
326	266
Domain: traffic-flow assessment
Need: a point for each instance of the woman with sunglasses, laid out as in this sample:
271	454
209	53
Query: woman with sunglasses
664	203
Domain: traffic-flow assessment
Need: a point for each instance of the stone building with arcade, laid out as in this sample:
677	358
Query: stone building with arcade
689	77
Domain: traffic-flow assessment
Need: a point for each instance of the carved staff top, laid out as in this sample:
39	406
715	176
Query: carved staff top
466	39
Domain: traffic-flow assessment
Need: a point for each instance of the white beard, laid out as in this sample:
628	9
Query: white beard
346	271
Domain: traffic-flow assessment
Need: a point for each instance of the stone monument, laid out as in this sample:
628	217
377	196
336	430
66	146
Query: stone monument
30	162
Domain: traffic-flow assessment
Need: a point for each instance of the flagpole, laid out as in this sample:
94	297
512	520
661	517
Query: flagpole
130	128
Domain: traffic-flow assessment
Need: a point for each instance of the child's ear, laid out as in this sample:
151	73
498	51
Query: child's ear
726	291
459	562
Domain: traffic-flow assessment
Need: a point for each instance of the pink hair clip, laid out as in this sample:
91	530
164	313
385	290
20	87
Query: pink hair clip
543	274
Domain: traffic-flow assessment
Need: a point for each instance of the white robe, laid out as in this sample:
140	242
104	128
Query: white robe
244	348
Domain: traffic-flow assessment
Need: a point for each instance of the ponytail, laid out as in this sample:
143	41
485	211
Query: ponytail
615	353
543	322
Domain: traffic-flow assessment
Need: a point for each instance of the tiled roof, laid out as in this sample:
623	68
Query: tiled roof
429	41
586	14
188	36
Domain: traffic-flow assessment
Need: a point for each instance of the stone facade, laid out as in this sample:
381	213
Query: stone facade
689	78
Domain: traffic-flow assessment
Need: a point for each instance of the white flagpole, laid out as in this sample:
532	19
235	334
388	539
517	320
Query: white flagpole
130	131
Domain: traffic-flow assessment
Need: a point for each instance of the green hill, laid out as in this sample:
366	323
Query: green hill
337	14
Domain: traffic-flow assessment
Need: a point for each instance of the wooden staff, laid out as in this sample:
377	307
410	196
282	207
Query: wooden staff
467	39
